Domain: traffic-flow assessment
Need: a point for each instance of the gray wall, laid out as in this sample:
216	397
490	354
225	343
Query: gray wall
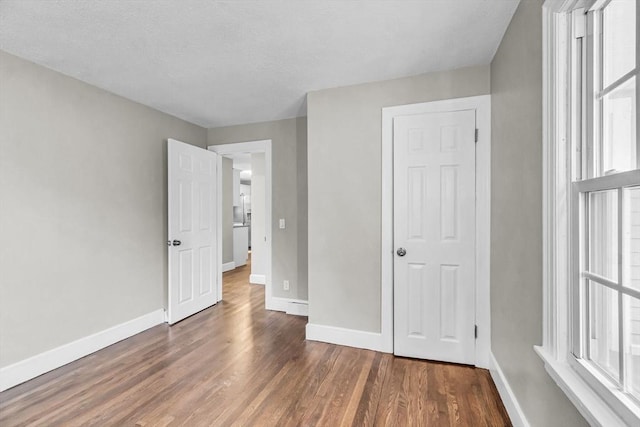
83	191
289	196
303	220
258	215
516	220
344	151
227	210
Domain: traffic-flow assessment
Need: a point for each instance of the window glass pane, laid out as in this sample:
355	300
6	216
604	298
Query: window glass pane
619	128
603	329
632	345
618	39
631	257
603	234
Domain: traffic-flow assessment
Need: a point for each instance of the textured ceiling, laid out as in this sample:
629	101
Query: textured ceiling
218	63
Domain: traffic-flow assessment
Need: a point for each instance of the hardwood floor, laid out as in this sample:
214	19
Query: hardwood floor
238	364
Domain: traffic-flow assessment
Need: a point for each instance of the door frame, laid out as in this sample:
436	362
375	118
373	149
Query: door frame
261	146
482	105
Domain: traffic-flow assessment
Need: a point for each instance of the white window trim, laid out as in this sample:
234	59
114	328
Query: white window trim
554	350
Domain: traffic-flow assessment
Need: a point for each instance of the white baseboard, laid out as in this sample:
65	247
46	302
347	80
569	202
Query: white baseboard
227	266
32	367
508	398
258	279
276	304
298	308
348	337
292	306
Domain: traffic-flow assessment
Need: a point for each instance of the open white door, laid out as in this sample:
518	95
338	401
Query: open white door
192	174
434	236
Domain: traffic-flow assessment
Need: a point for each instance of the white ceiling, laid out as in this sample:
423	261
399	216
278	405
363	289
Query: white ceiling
218	63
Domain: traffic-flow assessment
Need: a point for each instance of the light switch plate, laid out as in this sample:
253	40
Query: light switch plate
282	225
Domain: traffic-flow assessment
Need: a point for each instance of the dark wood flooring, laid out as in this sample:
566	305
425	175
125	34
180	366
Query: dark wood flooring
238	364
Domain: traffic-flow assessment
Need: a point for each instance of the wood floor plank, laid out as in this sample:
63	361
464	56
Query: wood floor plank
238	364
370	398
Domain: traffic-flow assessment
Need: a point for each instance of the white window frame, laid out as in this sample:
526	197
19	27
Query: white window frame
599	404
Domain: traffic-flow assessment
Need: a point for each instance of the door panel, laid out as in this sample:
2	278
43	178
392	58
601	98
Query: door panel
191	219
449	202
206	276
448	302
186	275
416	287
434	220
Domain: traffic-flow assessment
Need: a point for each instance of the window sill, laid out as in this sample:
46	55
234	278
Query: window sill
587	401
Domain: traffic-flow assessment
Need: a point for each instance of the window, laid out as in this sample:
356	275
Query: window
592	199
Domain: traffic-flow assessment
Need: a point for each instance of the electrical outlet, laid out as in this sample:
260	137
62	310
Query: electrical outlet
285	285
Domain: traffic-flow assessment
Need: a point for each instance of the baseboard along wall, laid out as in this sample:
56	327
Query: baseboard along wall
347	337
258	279
291	306
42	363
228	266
506	394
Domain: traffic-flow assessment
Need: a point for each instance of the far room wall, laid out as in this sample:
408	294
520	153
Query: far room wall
227	210
258	216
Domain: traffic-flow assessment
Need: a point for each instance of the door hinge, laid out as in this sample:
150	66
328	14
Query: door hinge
475	331
476	136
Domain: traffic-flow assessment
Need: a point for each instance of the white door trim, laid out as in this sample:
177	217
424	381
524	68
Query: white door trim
262	146
482	105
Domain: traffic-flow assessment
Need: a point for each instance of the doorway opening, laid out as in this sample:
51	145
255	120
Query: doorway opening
237	189
244	212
